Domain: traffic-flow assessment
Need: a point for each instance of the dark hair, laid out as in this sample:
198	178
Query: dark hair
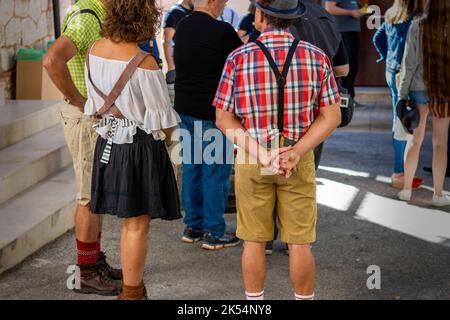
131	21
436	56
273	21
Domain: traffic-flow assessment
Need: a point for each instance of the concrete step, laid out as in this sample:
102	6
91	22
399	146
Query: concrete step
32	160
20	119
379	95
36	217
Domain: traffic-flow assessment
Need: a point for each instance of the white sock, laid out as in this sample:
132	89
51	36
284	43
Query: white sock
255	296
301	297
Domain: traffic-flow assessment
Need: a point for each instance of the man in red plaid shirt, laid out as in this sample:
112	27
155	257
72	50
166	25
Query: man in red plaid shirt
277	100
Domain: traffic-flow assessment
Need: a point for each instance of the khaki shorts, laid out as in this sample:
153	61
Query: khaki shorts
257	195
81	139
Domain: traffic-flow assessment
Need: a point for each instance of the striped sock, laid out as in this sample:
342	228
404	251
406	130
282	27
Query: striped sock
301	297
255	296
86	252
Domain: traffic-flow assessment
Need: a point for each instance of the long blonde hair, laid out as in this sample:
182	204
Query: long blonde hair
401	10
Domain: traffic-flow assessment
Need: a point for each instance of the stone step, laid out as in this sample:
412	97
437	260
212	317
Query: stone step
20	119
32	160
379	95
36	217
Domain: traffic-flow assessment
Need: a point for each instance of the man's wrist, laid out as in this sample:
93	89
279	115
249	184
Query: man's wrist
299	150
78	102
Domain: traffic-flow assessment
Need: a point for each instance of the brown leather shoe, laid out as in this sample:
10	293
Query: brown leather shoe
95	281
133	293
115	274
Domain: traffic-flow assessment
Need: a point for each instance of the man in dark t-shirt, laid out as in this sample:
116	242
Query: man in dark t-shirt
348	15
171	19
170	23
319	28
202	47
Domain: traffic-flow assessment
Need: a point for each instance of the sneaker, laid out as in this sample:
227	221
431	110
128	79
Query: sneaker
115	274
212	242
440	201
191	236
405	195
269	248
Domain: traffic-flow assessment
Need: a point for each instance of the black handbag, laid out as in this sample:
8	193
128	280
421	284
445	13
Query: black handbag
409	115
347	107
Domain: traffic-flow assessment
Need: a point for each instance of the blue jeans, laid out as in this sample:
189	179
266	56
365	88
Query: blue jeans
206	175
399	146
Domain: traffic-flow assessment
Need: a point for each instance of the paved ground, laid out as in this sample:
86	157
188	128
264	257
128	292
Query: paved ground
360	224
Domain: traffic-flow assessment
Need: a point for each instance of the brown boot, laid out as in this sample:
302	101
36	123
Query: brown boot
133	293
115	274
95	281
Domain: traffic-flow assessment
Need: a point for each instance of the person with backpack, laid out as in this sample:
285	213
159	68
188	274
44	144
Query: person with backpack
132	175
64	62
277	100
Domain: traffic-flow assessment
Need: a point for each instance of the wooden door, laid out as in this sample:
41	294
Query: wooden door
371	73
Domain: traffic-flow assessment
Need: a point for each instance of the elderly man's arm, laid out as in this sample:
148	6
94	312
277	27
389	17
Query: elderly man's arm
55	62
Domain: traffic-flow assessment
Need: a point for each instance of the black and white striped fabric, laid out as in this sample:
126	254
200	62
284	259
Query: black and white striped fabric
111	123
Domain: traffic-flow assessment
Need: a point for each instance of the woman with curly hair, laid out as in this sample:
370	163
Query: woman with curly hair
132	176
425	79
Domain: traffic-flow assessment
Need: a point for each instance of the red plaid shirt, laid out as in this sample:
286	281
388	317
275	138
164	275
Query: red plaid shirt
248	87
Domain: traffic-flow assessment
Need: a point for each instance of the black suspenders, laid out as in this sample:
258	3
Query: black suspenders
281	77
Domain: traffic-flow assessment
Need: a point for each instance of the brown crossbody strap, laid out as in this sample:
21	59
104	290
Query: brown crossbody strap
120	84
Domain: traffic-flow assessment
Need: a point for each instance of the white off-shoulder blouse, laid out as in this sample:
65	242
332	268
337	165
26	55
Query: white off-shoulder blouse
144	101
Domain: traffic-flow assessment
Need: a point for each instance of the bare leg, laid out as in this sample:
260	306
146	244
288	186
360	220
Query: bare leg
302	269
440	139
413	149
254	266
87	224
133	249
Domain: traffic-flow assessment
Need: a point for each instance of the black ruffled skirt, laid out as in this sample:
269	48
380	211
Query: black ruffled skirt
138	180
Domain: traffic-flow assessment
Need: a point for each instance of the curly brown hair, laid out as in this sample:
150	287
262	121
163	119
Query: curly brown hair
131	20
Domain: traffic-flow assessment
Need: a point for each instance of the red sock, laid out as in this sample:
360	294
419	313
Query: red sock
87	252
99	239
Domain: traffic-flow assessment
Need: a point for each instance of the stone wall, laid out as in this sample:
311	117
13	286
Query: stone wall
23	24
